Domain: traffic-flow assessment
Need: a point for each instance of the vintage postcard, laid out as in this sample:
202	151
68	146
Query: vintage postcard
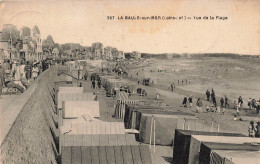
138	81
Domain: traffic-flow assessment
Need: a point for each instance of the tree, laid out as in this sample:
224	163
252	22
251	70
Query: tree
48	43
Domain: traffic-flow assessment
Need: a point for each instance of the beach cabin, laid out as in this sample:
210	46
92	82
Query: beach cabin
182	139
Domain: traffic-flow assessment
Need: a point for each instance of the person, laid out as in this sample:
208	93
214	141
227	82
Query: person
208	95
28	71
190	101
17	72
184	102
222	102
199	105
257	134
80	84
93	84
238	106
249	103
6	65
223	111
2	77
214	101
240	101
251	129
218	109
207	108
35	71
253	104
171	87
22	70
19	85
226	101
99	84
96	97
186	81
157	96
212	94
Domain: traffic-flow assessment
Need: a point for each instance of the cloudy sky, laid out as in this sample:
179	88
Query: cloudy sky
86	22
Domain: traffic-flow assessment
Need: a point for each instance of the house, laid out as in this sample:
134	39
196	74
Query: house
135	55
55	53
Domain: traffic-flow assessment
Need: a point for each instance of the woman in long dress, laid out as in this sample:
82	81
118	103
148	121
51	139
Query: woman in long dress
35	71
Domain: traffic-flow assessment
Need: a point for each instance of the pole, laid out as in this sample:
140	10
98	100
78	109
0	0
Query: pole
154	135
211	126
151	132
218	127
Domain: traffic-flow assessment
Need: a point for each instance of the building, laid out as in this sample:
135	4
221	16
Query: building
10	33
55	53
25	32
36	38
121	55
108	53
136	55
97	50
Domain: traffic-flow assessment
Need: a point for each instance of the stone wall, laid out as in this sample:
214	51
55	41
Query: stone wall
33	136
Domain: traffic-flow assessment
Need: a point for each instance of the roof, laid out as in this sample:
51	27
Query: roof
74	97
74	109
55	50
107	154
237	157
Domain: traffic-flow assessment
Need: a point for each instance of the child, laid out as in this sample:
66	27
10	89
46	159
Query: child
223	111
218	109
207	108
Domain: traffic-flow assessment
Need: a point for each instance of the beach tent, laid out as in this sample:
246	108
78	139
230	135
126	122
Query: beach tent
75	109
140	118
88	125
196	141
182	143
207	155
74	97
234	157
134	154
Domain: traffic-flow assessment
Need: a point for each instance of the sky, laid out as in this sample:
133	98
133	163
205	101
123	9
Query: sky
86	22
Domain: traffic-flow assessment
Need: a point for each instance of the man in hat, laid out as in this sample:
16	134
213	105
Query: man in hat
208	95
190	101
251	129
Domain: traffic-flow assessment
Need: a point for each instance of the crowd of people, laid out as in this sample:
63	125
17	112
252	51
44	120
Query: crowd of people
17	74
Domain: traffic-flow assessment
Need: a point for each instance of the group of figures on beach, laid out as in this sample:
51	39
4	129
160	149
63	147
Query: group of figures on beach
17	74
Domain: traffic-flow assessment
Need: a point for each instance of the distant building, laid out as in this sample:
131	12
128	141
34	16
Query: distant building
37	43
108	53
121	55
97	50
25	32
55	53
136	55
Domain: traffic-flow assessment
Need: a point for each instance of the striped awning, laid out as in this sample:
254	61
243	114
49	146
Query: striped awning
122	96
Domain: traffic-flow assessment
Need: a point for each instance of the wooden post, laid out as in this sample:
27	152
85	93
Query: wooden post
212	126
195	125
151	132
154	135
218	127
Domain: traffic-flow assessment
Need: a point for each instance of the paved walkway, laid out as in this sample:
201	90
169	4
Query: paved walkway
10	107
